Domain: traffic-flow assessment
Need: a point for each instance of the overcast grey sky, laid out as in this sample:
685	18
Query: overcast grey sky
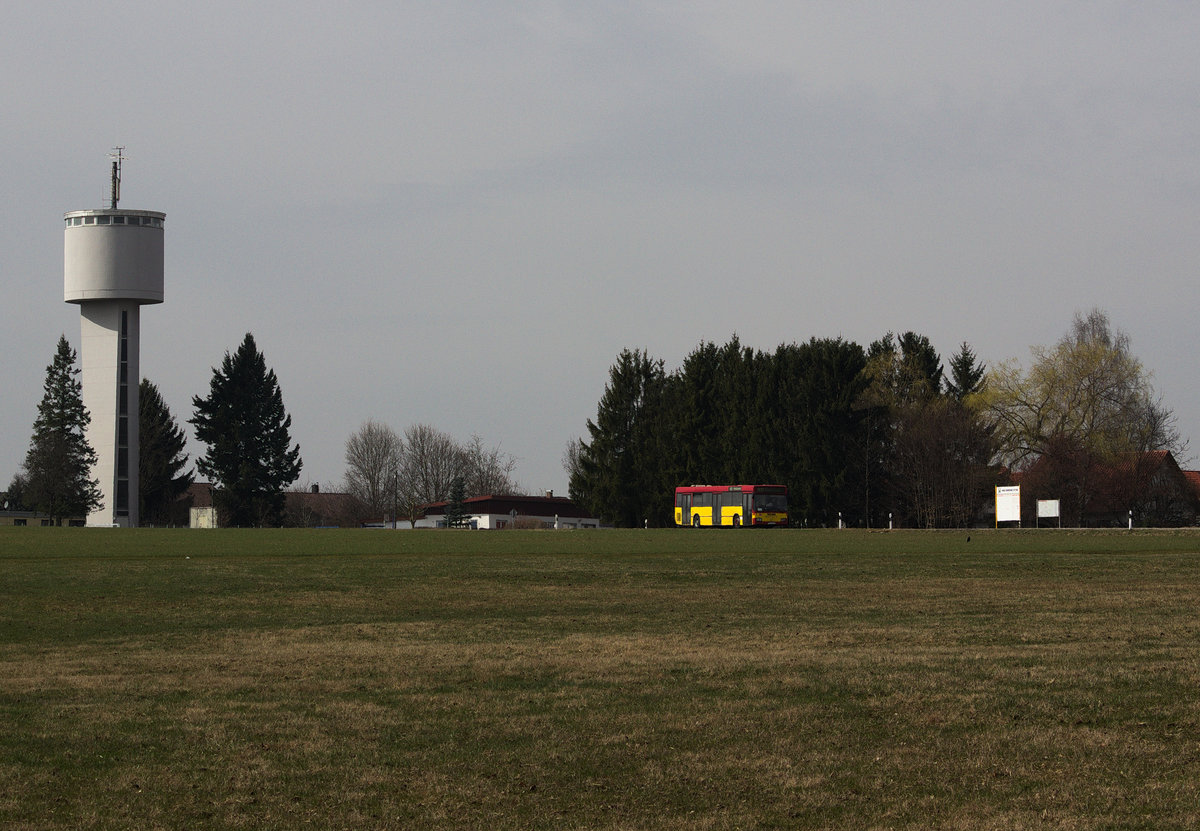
460	212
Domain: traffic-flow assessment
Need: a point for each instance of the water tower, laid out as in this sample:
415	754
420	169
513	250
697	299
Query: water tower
112	265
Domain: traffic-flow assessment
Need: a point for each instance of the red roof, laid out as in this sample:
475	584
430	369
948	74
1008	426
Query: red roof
1193	479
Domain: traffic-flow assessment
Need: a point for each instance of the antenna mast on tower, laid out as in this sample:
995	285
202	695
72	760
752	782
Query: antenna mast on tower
118	155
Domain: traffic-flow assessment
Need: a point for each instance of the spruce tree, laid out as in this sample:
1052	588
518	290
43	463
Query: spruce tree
921	366
161	458
818	429
456	514
250	457
59	463
620	472
966	373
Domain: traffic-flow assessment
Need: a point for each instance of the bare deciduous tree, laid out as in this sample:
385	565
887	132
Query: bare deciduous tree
429	464
387	472
374	454
486	470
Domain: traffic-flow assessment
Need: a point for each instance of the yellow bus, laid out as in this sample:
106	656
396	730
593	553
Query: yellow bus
731	506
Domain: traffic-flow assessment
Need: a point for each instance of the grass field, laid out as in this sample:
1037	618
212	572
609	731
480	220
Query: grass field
624	680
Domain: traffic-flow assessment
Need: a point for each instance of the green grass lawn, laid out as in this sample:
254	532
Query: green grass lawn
625	679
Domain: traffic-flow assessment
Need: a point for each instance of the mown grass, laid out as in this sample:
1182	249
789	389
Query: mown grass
628	680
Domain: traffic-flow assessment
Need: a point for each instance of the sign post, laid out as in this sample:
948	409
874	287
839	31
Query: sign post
1048	508
1008	504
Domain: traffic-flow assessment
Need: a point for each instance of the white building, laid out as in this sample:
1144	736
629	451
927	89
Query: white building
494	512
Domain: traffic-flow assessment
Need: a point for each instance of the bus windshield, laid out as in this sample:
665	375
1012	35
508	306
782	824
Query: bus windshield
773	502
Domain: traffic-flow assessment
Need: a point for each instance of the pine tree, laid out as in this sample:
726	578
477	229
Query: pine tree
818	428
59	463
620	474
245	426
456	515
966	373
921	366
161	457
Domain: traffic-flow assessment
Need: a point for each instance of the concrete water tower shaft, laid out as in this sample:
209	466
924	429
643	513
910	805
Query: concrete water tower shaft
112	266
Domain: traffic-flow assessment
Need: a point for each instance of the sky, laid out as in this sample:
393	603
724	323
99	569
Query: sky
459	213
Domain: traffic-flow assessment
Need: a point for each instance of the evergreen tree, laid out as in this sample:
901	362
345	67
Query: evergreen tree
966	373
245	426
905	377
940	463
621	469
456	515
737	437
698	416
716	428
921	367
160	457
816	427
729	415
59	463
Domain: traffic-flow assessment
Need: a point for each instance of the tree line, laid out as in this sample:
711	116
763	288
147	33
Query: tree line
250	457
862	436
242	421
866	436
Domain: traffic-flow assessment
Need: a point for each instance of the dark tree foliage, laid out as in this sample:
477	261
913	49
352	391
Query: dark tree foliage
59	463
921	366
940	462
905	384
886	383
620	474
456	514
14	498
728	415
818	430
696	415
161	460
712	434
904	369
856	435
245	426
966	373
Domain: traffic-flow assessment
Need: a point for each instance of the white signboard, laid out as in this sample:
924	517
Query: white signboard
1008	503
1047	508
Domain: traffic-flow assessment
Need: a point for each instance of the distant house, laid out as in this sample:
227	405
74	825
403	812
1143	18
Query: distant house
194	508
495	512
1151	485
307	508
1193	480
29	519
